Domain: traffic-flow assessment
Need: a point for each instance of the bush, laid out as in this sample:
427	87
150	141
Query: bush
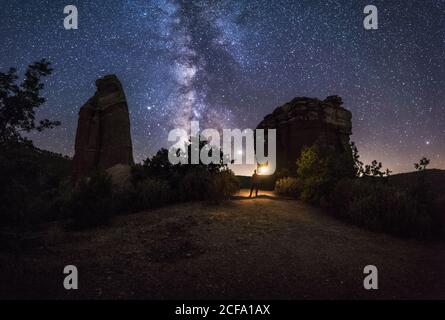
320	170
378	206
198	184
151	193
48	206
225	185
30	179
194	185
91	204
288	186
146	194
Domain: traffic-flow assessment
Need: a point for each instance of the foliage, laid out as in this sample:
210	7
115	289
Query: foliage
152	193
319	170
365	198
30	183
18	103
288	186
204	146
226	185
374	169
189	181
198	184
423	163
29	177
382	207
157	166
92	201
358	165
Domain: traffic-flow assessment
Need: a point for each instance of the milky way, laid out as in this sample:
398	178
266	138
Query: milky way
229	63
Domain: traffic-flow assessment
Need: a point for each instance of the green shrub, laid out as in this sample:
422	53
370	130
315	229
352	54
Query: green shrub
319	171
378	206
288	186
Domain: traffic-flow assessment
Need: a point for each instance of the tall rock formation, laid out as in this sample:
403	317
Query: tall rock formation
103	137
305	121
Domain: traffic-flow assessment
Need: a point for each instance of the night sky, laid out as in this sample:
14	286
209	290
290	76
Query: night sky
229	63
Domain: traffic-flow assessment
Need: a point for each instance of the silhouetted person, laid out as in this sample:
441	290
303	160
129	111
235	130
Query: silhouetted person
254	182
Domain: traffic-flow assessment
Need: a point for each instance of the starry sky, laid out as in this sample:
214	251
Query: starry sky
229	63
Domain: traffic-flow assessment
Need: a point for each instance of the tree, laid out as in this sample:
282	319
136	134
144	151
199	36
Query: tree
423	163
24	176
358	165
320	169
374	169
159	165
18	103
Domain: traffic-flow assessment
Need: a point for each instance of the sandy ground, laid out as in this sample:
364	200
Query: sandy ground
263	248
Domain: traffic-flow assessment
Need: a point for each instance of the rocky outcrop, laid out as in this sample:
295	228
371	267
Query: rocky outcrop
305	121
103	136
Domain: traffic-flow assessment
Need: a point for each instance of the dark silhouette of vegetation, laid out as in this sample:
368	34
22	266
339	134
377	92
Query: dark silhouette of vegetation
288	186
380	206
374	169
154	183
160	167
30	183
91	203
18	103
213	182
423	163
363	194
358	165
319	170
30	177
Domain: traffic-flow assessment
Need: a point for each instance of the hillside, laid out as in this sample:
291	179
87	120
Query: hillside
435	178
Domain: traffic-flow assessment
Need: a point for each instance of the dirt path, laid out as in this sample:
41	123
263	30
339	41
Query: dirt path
263	248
